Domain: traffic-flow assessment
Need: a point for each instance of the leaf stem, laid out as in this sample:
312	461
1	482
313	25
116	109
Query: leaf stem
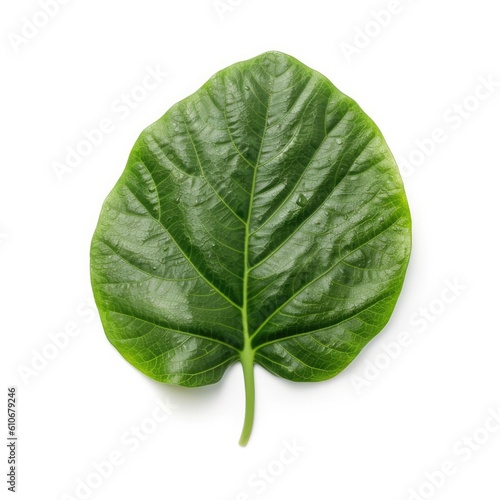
248	375
247	354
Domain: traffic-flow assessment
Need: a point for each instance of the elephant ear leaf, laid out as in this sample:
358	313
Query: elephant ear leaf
262	220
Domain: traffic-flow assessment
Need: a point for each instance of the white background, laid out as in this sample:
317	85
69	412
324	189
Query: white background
377	440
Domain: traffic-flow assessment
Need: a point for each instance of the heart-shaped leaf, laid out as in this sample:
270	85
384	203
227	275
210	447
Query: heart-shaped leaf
262	219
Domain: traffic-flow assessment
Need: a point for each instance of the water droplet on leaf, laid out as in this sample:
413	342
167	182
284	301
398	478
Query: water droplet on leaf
301	201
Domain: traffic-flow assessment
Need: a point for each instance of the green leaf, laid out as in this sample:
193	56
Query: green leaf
260	220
